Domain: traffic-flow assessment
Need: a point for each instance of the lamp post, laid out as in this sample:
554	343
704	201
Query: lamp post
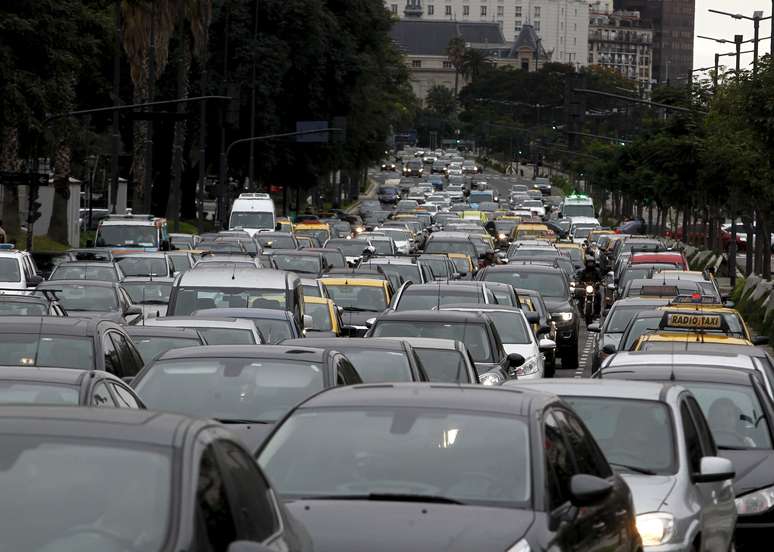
756	18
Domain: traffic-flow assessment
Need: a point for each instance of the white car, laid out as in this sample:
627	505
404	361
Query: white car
516	335
17	271
402	238
535	206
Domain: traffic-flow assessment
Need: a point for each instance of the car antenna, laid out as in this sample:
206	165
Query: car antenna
438	305
40	336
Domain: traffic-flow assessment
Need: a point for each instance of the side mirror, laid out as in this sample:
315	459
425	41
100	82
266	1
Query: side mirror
34	280
713	469
610	274
248	546
547	344
760	340
609	349
515	360
308	322
370	322
587	490
593	327
532	317
133	310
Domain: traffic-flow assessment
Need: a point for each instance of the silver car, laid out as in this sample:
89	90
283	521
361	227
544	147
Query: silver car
656	436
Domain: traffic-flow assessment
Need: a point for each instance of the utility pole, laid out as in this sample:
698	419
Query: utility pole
222	180
715	76
148	177
251	165
115	136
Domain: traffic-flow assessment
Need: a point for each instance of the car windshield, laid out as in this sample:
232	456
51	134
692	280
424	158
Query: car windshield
409	272
148	292
118	235
9	270
619	317
578	210
321	316
350	248
474	336
150	347
99	273
34	392
549	284
254	389
478	197
74	297
583	232
307	264
443	365
335	259
143	266
633	273
403	451
430	297
58	351
42	473
190	299
634	433
312	290
438	266
510	326
275	242
444	246
734	414
378	365
22	308
369	298
321	234
636	328
227	336
383	247
251	219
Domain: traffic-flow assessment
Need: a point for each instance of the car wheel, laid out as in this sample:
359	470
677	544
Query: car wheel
549	366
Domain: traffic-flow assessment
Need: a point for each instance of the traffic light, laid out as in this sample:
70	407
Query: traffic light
33	205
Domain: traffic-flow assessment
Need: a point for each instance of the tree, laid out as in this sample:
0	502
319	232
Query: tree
440	100
456	52
474	63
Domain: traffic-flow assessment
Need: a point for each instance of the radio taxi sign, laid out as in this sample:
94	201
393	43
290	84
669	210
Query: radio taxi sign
693	321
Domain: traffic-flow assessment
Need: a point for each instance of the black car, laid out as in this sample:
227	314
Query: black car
65	387
78	343
414	467
376	360
247	387
35	304
152	341
413	168
91	299
389	166
433	296
120	480
388	194
741	417
476	331
552	285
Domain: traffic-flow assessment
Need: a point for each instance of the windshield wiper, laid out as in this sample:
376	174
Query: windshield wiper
731	447
357	309
387	497
635	469
243	421
152	302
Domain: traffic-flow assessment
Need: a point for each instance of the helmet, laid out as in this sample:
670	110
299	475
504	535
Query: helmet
590	261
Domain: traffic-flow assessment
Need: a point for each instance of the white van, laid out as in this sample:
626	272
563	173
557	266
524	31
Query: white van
252	212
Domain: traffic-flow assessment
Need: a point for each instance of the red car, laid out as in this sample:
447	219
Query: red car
675	258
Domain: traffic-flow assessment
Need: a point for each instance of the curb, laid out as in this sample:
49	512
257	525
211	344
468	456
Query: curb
370	193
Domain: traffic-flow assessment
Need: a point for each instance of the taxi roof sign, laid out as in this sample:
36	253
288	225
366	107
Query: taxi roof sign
659	291
695	299
693	321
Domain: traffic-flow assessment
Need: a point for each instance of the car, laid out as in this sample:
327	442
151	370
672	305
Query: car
655	436
388	194
94	299
382	360
451	244
552	284
612	328
474	329
17	270
444	360
183	241
415	467
85	270
170	477
326	317
432	296
740	415
646	287
389	166
413	168
64	387
146	264
301	262
148	293
76	343
274	325
182	260
276	240
359	300
30	304
247	387
353	250
516	335
333	257
214	330
674	258
152	341
409	269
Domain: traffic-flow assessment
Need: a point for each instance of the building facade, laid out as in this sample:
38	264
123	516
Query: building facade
672	22
622	42
562	25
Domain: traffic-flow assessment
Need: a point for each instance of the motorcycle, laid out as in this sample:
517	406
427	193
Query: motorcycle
589	301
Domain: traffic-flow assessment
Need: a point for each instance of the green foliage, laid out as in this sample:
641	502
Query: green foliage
440	101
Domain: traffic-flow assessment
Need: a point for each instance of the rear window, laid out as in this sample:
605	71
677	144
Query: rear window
444	366
9	270
56	351
474	336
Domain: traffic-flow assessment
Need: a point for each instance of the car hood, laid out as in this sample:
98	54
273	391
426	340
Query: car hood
527	351
357	525
649	492
754	469
356	318
557	304
251	435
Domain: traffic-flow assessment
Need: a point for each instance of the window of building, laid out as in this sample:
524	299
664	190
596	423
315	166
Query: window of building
416	63
518	11
574	41
447	65
574	26
537	25
448	10
430	9
394	9
483	11
465	11
500	11
537	11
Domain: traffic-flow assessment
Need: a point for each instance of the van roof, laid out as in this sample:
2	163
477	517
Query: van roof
237	277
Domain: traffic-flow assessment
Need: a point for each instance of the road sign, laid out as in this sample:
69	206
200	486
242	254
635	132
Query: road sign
8	178
315	138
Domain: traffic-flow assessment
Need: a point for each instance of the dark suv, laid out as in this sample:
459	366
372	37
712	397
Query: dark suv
388	194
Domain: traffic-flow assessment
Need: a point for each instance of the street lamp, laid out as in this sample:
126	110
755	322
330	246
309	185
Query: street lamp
756	18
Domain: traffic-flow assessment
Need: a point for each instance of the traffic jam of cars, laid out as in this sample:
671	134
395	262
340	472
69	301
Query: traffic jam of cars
404	375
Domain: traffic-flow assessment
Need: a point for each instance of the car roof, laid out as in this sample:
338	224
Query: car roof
612	388
236	276
110	264
500	400
53	325
524	268
386	344
287	352
53	284
710	359
427	343
101	424
493	307
16	298
151	254
681	373
192	322
365	282
67	376
161	331
243	312
640	302
433	316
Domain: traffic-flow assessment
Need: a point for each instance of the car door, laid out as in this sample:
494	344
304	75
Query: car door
131	363
214	525
100	397
716	498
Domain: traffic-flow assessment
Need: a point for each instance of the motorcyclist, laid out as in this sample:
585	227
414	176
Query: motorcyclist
591	274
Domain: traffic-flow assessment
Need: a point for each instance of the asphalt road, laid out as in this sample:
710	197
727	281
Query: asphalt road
503	185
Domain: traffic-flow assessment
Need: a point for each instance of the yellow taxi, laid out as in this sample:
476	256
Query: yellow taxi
305	242
533	231
321	231
284	224
656	341
326	320
701	312
462	263
480	216
574	250
359	300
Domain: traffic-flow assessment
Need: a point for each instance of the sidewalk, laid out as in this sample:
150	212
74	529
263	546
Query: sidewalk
370	193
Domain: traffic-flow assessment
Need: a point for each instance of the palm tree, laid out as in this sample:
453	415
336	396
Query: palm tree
456	52
474	62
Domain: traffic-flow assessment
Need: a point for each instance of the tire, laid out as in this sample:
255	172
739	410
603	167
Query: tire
549	366
570	358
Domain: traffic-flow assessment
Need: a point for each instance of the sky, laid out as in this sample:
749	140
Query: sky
723	26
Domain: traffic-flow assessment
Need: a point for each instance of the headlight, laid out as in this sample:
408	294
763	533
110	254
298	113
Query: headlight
501	236
529	367
359	230
563	316
589	289
655	528
491	378
755	503
521	546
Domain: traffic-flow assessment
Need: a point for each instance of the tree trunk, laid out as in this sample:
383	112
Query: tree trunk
766	245
181	129
57	230
9	161
687	224
759	244
749	247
